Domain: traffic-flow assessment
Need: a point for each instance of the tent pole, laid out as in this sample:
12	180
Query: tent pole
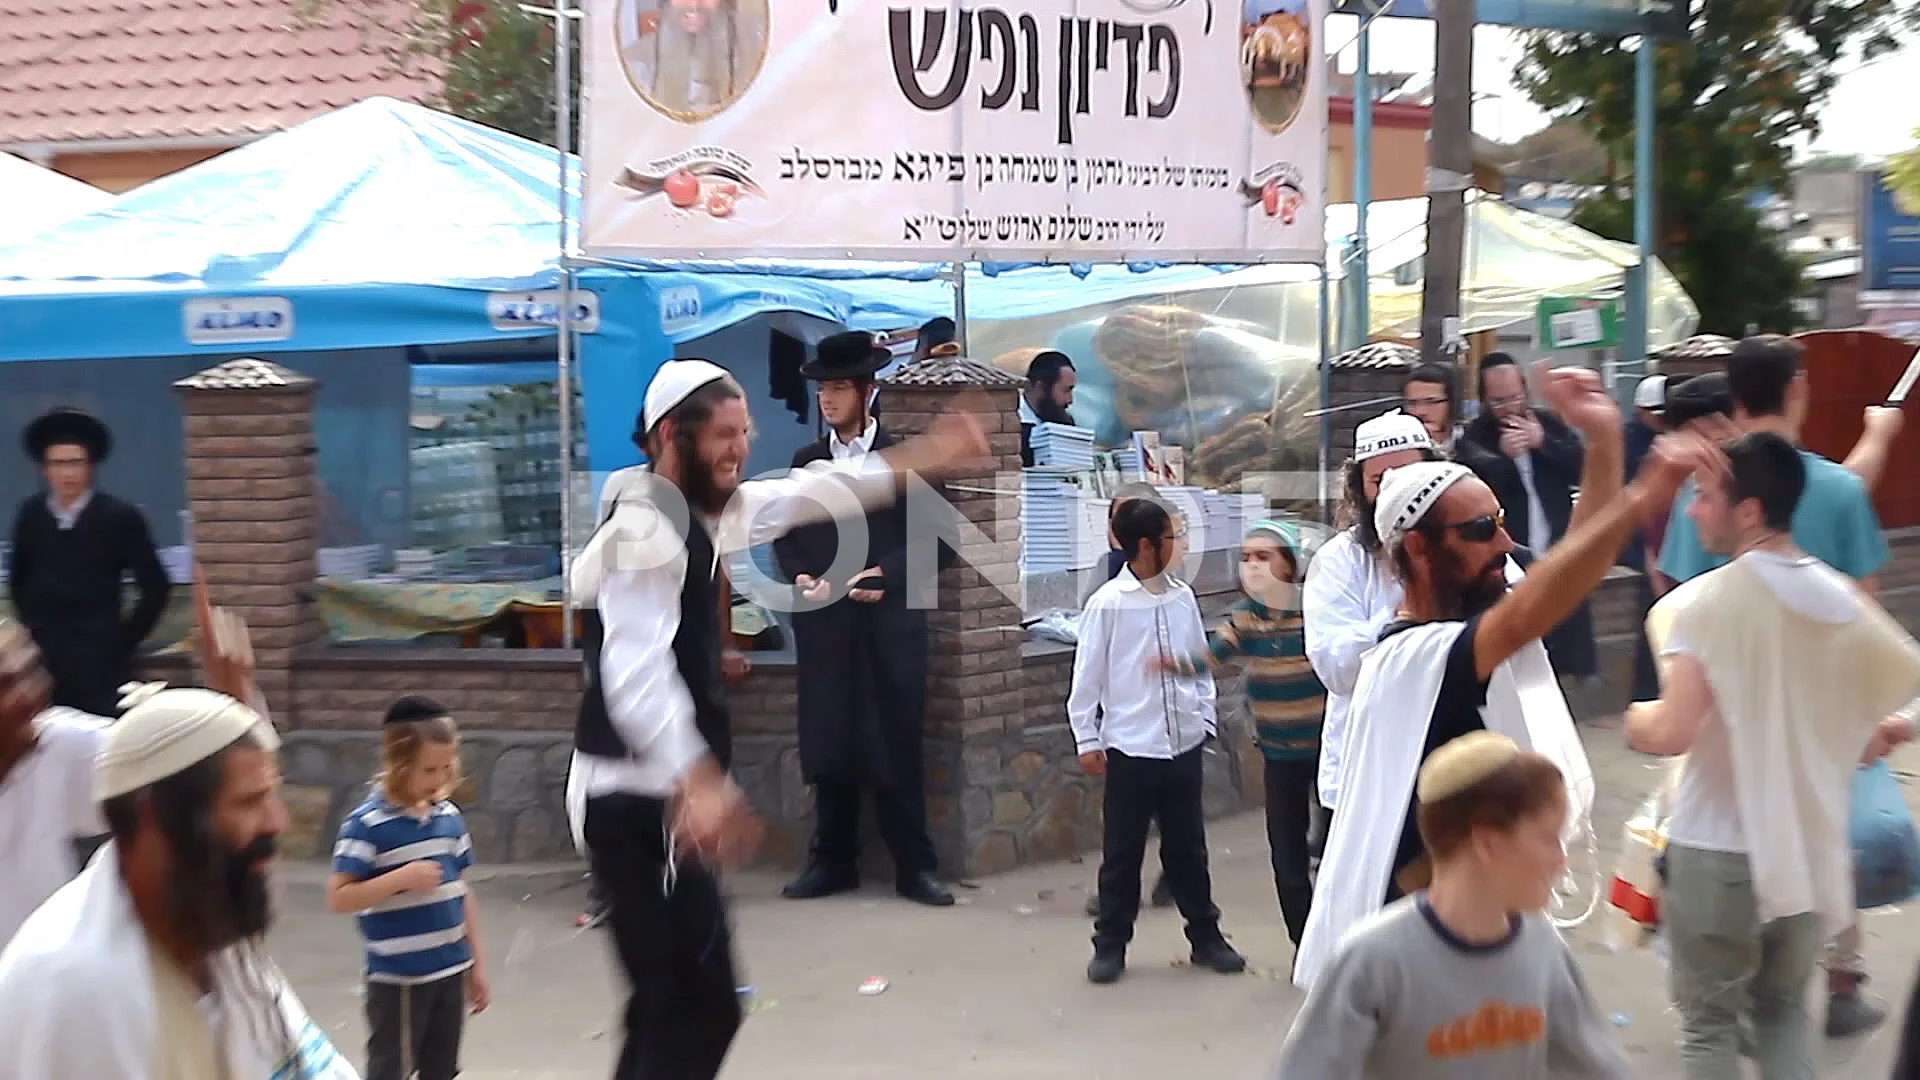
562	137
959	271
1326	392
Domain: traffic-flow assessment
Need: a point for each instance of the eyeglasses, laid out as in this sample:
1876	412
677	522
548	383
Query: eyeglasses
1506	402
1423	402
1181	535
1481	529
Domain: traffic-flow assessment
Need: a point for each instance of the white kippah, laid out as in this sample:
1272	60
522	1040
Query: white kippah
674	383
1462	763
165	732
1408	492
1389	433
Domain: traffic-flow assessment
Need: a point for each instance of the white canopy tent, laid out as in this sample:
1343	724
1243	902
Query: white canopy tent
38	199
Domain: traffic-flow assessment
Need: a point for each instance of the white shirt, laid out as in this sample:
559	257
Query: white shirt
1539	530
67	516
647	700
1706	800
46	802
861	445
1119	701
1349	598
1025	410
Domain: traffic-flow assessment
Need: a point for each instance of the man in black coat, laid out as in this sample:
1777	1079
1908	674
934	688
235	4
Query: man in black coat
860	649
1531	459
72	546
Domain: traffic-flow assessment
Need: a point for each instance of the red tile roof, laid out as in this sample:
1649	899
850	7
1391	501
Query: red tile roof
74	70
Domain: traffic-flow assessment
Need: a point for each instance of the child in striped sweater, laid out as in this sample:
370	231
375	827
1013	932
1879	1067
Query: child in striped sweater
1264	633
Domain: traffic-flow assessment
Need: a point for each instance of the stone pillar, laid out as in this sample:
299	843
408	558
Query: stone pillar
975	692
251	491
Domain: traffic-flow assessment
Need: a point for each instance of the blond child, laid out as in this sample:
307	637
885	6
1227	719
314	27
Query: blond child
398	864
1467	980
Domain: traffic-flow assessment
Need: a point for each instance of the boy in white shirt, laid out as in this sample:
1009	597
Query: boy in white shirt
1144	729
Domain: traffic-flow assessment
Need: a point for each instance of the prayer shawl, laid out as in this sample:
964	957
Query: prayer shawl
1800	697
1393	702
77	999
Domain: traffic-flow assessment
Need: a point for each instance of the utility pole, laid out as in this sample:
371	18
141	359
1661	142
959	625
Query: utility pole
1449	174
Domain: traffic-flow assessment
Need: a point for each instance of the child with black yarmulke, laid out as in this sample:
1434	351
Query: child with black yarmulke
398	864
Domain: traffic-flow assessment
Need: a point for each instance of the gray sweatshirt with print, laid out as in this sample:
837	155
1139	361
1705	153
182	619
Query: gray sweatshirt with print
1404	998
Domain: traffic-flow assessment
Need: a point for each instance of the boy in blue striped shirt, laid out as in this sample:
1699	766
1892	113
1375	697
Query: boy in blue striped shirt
398	864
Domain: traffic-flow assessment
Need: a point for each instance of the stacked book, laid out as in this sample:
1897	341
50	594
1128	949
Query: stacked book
1061	528
178	563
347	563
1062	446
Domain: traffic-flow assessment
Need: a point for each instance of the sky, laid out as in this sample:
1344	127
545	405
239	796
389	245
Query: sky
1873	110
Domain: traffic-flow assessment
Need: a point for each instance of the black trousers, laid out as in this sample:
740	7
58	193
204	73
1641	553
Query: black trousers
1290	786
1141	791
414	1030
673	942
902	814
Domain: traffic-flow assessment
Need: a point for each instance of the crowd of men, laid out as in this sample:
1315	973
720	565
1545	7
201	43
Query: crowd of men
1438	625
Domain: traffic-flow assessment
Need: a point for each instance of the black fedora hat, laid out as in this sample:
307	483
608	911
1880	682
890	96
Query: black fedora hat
851	355
68	427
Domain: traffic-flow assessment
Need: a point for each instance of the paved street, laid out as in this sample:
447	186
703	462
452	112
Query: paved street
993	988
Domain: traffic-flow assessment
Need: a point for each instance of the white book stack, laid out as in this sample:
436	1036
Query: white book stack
414	563
1062	446
1060	528
347	563
178	563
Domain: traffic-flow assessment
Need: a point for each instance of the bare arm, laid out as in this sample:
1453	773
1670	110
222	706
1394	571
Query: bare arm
1562	578
347	894
1868	458
1669	725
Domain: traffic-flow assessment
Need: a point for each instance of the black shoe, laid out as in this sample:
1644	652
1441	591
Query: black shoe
925	889
819	880
1162	894
1850	1014
1106	966
1217	955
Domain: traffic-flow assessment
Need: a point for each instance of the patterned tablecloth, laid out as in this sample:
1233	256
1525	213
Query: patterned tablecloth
401	611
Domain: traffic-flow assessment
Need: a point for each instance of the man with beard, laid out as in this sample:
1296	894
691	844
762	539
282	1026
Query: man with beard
150	965
694	56
1532	461
1350	595
1049	394
1464	652
648	792
46	783
860	655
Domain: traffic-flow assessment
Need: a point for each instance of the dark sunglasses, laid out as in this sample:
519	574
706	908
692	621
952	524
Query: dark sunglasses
1481	529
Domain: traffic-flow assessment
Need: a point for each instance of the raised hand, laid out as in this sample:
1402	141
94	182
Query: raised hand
1580	397
225	646
1676	456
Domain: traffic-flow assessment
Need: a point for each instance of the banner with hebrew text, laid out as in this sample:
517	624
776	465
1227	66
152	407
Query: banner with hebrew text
1048	130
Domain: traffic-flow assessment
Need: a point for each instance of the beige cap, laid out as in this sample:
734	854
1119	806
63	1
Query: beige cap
1462	763
165	732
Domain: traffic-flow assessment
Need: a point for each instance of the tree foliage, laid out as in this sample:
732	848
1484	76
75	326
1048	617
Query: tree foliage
492	60
1731	104
1903	174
